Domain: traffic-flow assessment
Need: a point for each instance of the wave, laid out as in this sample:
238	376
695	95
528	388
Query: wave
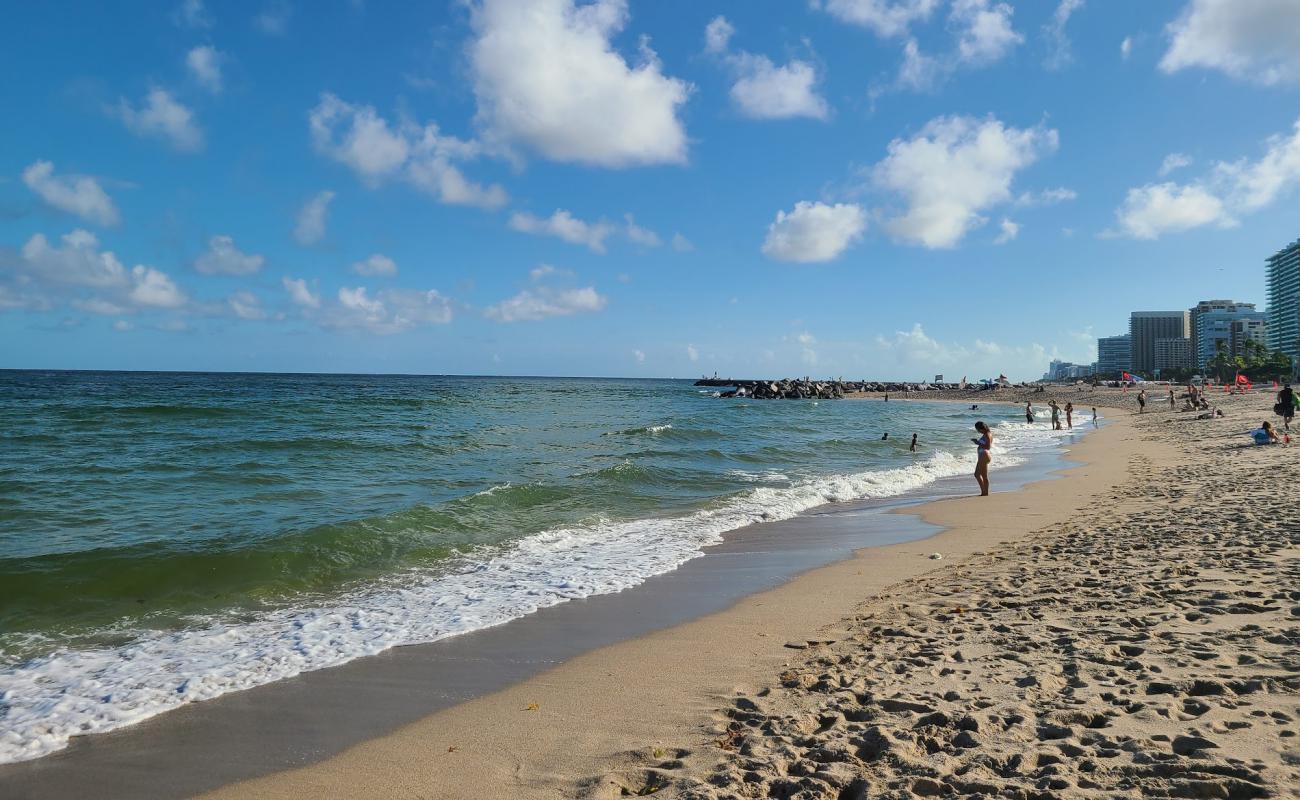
48	699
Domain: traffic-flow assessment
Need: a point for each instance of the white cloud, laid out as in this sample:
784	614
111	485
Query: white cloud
300	294
1126	48
1151	210
313	218
223	258
1046	197
204	63
191	14
1174	161
692	353
884	17
918	71
1009	231
543	302
162	117
1059	50
914	351
1229	190
1251	40
387	312
544	271
246	305
763	90
806	338
377	264
123	326
954	169
564	225
985	34
274	18
547	78
814	231
639	356
639	235
359	138
78	273
681	244
75	194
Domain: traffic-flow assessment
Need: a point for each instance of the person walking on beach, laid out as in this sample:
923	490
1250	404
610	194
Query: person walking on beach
1142	401
1171	397
1069	415
1094	416
983	456
1286	405
913	447
1029	412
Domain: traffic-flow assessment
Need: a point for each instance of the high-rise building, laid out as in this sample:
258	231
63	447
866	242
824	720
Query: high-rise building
1113	355
1173	353
1254	329
1212	322
1284	300
1145	328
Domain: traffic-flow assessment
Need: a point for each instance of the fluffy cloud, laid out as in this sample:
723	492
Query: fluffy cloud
884	17
564	225
639	356
300	294
954	169
377	264
75	194
191	14
274	18
387	312
312	219
985	32
913	350
763	90
77	272
641	236
814	231
204	64
1174	161
920	72
223	258
1059	50
548	79
1251	40
692	353
246	305
681	244
359	138
1009	230
1046	197
1126	48
1227	191
543	302
162	117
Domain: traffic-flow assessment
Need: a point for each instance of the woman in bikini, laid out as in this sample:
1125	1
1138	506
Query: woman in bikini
984	456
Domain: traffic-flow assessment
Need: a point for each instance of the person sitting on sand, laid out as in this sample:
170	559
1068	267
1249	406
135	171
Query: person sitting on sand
913	447
1266	434
983	456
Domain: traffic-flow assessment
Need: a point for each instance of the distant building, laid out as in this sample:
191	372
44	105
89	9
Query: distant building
1174	353
1113	355
1254	329
1145	328
1059	370
1211	322
1284	300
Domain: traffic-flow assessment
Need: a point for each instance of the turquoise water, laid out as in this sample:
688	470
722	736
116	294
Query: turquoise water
169	537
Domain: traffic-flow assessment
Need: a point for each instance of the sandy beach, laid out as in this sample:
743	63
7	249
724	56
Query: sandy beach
1130	630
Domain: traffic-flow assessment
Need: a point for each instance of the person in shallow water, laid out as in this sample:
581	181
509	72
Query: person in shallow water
983	456
913	447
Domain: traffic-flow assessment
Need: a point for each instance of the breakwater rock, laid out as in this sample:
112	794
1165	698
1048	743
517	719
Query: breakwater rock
807	389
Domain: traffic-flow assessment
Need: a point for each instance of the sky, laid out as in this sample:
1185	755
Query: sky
885	189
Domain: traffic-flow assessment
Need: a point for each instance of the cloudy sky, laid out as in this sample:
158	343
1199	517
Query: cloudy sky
884	188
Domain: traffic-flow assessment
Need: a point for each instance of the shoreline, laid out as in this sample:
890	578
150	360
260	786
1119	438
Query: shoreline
750	560
612	708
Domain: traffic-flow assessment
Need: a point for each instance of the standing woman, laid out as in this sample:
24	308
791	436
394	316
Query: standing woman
984	456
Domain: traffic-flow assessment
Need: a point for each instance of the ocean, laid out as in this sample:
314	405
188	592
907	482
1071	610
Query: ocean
167	538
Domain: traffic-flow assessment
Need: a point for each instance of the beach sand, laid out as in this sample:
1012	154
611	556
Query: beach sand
1131	630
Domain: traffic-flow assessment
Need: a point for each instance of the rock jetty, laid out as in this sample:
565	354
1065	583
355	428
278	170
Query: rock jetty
807	389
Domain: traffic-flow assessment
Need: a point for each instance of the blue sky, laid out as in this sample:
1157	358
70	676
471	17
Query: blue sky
883	188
